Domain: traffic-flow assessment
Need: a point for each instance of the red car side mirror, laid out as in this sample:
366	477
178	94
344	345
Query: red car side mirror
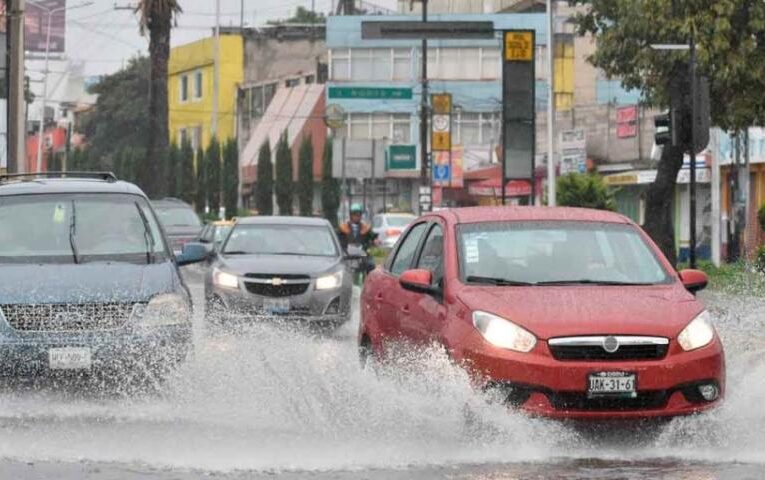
418	280
694	280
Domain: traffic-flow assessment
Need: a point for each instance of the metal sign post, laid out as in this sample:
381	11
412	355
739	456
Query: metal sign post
518	109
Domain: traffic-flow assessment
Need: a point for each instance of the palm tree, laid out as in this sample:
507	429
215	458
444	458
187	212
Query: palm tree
157	17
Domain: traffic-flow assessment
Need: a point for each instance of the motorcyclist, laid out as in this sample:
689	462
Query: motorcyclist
356	232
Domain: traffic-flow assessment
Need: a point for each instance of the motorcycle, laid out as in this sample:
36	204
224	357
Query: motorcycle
358	260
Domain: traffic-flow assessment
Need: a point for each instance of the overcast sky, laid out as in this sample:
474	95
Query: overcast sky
104	37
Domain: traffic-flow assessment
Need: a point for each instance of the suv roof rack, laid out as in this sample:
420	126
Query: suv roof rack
105	176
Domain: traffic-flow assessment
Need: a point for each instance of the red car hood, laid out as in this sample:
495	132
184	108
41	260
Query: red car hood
555	311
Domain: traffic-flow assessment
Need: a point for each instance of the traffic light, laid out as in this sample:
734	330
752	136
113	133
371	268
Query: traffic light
663	125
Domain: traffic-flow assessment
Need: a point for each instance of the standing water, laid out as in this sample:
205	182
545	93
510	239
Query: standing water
277	402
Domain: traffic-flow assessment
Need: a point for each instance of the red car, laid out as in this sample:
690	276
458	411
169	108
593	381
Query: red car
570	313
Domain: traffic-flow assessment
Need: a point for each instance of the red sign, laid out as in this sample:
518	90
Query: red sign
626	130
627	114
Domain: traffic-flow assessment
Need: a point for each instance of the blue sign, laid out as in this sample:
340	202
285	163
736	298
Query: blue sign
441	173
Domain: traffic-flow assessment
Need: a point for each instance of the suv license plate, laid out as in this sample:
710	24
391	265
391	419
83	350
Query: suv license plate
276	306
69	358
612	383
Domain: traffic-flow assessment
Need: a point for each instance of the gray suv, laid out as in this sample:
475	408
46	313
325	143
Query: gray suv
290	268
88	280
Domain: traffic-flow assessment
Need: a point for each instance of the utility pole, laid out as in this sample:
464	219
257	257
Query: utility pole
426	181
216	71
241	16
692	154
551	187
16	95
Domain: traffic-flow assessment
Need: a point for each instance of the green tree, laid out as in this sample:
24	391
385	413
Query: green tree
330	186
157	17
284	185
729	35
305	177
115	123
200	192
184	186
264	188
171	170
586	190
302	16
213	177
230	178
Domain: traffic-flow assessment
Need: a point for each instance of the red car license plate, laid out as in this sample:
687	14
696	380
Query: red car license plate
612	383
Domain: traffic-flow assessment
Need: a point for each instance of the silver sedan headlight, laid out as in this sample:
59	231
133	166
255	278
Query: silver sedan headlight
699	333
224	279
328	282
163	310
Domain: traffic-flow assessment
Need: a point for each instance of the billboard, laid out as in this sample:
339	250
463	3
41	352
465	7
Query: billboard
36	25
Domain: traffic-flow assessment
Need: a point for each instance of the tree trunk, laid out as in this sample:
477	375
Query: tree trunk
659	202
159	50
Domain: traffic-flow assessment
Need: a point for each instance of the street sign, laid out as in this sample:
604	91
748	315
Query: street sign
408	30
441	122
401	157
441	173
370	93
519	46
334	116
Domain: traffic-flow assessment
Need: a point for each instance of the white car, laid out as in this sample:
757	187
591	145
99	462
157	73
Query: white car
390	226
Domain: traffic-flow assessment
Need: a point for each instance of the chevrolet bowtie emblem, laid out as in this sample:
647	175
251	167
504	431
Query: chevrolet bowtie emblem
276	281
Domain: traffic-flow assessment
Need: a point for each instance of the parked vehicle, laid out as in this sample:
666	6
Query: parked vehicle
287	267
389	226
567	312
214	233
88	280
179	221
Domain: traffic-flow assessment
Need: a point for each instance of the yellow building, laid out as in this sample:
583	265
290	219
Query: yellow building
190	89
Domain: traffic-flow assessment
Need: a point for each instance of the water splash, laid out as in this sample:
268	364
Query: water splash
270	399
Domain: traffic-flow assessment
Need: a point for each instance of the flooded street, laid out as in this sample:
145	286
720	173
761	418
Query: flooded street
275	404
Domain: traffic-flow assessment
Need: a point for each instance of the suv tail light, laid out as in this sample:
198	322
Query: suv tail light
392	232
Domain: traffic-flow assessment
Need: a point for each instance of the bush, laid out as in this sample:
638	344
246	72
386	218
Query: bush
305	178
230	178
200	192
759	259
330	187
761	216
284	185
584	190
264	188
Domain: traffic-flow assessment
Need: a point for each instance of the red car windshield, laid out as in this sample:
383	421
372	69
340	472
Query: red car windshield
557	253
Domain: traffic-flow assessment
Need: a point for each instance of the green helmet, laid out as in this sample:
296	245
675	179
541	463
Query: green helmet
357	208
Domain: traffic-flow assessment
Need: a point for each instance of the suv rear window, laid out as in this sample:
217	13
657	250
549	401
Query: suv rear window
177	216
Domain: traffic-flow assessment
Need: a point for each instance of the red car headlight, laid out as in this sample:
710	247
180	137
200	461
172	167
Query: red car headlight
503	333
699	333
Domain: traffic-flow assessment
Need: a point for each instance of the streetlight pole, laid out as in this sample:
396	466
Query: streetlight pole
41	126
692	154
551	190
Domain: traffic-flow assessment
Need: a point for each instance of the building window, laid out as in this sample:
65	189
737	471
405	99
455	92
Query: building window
491	64
183	136
402	132
309	79
184	88
402	64
472	128
340	64
258	98
198	84
394	127
292	82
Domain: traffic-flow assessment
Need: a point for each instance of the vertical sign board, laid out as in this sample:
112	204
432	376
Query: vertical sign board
518	112
441	123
